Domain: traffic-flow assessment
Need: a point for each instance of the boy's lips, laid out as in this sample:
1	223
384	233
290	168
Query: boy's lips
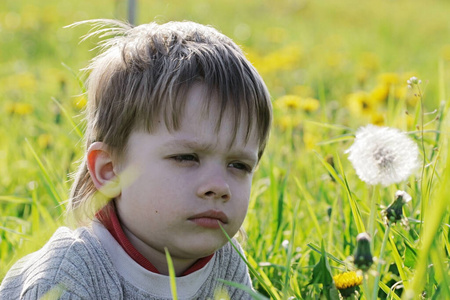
209	218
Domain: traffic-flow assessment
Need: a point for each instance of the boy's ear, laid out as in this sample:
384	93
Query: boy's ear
101	168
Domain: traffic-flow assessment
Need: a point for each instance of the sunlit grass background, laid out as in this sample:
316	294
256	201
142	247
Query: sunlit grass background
331	67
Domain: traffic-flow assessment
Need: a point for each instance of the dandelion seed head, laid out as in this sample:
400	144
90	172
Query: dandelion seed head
383	155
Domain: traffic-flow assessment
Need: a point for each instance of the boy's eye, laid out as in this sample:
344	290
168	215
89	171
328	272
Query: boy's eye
185	157
241	166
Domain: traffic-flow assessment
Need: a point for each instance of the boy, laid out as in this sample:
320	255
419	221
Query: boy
177	121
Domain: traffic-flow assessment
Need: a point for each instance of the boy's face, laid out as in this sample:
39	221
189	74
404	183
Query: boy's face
189	181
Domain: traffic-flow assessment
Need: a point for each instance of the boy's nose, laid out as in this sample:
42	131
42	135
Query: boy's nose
214	186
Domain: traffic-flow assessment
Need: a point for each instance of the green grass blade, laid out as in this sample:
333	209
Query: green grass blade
69	118
254	294
13	231
262	278
331	170
311	212
287	274
332	257
80	82
55	196
14	199
432	223
331	224
338	139
442	270
399	263
173	281
329	126
388	291
353	205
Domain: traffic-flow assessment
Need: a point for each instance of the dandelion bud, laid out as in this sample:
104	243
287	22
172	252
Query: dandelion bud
363	257
394	212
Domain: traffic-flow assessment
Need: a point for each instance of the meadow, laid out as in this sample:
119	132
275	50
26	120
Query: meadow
332	67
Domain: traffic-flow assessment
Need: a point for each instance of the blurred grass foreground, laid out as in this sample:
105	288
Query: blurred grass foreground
332	67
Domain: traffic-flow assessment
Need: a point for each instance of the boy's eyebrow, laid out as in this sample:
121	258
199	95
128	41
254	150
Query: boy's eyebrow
206	147
191	144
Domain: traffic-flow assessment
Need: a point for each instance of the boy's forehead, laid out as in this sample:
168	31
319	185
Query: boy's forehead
203	111
204	104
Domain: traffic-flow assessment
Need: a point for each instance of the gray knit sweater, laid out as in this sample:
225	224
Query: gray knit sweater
88	263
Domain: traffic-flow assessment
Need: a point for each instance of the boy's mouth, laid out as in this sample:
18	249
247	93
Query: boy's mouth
210	219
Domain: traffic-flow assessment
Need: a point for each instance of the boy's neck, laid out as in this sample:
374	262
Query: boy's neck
158	258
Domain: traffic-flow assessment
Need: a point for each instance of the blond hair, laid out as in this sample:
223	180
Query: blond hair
145	71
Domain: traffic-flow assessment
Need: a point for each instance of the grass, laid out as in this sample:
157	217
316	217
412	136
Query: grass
344	64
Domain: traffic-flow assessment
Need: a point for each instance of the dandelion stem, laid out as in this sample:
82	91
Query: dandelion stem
380	258
422	113
375	194
365	286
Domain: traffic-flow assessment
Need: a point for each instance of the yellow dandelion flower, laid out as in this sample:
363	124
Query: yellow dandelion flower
347	279
26	81
389	79
79	102
380	93
401	92
23	108
310	104
45	140
290	102
294	102
376	118
360	103
347	282
287	121
284	59
310	139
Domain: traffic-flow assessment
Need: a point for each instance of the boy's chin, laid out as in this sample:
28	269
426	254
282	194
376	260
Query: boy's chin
197	249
